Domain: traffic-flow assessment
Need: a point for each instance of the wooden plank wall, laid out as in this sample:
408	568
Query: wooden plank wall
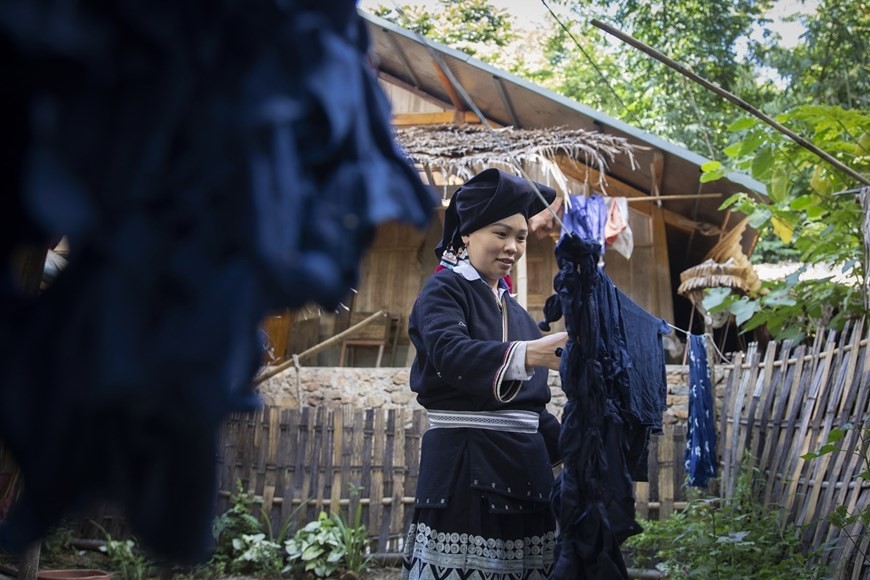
783	403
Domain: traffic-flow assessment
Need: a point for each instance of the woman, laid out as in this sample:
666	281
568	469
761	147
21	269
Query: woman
482	503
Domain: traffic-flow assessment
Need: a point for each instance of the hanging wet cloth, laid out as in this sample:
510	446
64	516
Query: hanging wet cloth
591	441
211	162
700	455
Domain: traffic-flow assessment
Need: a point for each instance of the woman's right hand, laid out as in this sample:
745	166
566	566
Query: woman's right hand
542	352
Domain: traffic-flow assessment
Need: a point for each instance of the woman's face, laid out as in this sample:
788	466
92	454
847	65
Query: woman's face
494	249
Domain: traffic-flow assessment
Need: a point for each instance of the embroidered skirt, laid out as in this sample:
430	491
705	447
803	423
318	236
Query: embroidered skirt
480	536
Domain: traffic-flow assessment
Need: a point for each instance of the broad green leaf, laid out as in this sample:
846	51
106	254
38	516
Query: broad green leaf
312	552
762	163
828	448
779	184
802	202
743	310
714	297
716	171
778	299
743	123
732	199
734	149
759	217
815	212
836	435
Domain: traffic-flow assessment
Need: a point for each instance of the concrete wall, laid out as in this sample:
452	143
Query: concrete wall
388	387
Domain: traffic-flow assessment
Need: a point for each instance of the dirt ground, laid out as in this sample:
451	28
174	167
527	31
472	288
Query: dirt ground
379	573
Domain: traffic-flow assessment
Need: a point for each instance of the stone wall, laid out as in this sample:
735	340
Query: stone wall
388	387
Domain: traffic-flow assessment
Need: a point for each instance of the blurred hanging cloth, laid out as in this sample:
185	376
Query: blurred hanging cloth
211	162
613	405
700	455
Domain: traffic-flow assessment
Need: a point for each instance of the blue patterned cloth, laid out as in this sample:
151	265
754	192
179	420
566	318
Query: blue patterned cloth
701	437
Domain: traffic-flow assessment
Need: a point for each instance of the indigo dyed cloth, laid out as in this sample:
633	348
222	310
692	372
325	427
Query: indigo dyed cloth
613	373
592	497
700	453
585	216
211	161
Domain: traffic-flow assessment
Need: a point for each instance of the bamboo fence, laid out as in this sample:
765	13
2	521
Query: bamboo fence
302	462
782	404
299	462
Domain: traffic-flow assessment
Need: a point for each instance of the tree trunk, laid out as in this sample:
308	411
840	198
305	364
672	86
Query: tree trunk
28	565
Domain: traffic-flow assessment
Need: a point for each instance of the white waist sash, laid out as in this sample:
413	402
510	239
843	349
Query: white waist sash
514	421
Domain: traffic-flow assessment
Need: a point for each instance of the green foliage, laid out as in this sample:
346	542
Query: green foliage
714	538
804	212
467	25
702	35
236	522
58	541
841	517
253	553
831	65
125	561
327	545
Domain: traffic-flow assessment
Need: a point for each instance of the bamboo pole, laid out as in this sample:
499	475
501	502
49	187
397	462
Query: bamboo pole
730	97
271	372
673	197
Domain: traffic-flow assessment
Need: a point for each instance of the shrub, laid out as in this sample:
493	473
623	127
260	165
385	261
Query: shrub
714	538
327	545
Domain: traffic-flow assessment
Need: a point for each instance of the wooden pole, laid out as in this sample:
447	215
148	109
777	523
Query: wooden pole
673	197
865	233
730	97
271	372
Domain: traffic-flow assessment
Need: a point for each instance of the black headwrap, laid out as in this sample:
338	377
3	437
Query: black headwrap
487	197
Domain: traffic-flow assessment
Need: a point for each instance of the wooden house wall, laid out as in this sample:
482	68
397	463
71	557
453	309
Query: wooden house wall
401	258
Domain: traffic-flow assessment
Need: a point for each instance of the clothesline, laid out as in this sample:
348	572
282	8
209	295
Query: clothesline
716	348
673	197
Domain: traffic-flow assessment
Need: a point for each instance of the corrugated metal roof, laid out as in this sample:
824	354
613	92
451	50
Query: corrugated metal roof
510	100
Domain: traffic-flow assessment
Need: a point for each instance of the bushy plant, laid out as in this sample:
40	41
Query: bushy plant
236	522
125	560
714	538
253	553
327	545
57	542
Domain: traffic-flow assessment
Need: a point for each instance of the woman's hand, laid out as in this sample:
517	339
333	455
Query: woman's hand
542	352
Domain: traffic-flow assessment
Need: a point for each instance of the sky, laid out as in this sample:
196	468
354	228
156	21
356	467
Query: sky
532	13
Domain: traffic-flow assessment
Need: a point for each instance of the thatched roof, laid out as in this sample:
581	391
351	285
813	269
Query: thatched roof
461	151
711	274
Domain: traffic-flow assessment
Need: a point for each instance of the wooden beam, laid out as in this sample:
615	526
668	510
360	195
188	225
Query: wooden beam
612	186
444	117
458	103
657	171
664	290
